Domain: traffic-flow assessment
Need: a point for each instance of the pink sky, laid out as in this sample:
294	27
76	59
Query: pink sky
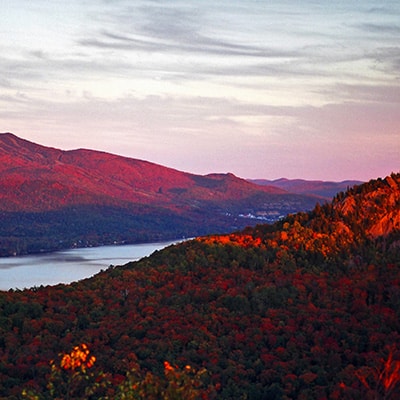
260	89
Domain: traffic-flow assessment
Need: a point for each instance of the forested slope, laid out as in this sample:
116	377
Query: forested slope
307	308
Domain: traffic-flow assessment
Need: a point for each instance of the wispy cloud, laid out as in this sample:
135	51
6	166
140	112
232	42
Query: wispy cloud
381	29
185	45
251	85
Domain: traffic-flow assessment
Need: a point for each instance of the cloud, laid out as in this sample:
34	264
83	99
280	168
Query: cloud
373	94
380	29
227	84
188	43
5	83
388	61
219	40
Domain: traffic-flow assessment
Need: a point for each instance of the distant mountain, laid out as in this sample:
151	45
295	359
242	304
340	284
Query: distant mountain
323	189
52	199
38	178
305	308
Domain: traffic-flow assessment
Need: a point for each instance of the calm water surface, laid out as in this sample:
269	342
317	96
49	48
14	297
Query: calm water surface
69	265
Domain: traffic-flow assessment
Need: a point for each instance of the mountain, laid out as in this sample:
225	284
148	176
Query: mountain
305	308
38	178
324	189
52	199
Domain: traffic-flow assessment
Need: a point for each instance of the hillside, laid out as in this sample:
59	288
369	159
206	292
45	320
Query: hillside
52	199
306	308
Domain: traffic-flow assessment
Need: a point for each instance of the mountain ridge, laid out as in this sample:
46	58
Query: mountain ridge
104	174
325	190
93	197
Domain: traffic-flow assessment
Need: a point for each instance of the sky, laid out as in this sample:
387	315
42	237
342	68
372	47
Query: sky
262	89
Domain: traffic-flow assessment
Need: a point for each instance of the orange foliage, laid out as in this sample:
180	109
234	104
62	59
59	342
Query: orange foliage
79	357
241	240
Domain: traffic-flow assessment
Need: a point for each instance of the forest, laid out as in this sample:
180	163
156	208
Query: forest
306	308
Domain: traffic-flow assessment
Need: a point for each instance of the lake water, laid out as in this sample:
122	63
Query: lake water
69	265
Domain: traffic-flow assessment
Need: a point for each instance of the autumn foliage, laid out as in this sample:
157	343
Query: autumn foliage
307	308
78	358
70	379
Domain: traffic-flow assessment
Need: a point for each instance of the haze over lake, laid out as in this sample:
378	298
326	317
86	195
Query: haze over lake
69	265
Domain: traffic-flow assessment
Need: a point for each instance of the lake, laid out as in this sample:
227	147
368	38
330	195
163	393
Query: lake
69	265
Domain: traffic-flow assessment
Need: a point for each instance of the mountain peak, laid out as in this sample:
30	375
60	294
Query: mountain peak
9	138
375	205
12	144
